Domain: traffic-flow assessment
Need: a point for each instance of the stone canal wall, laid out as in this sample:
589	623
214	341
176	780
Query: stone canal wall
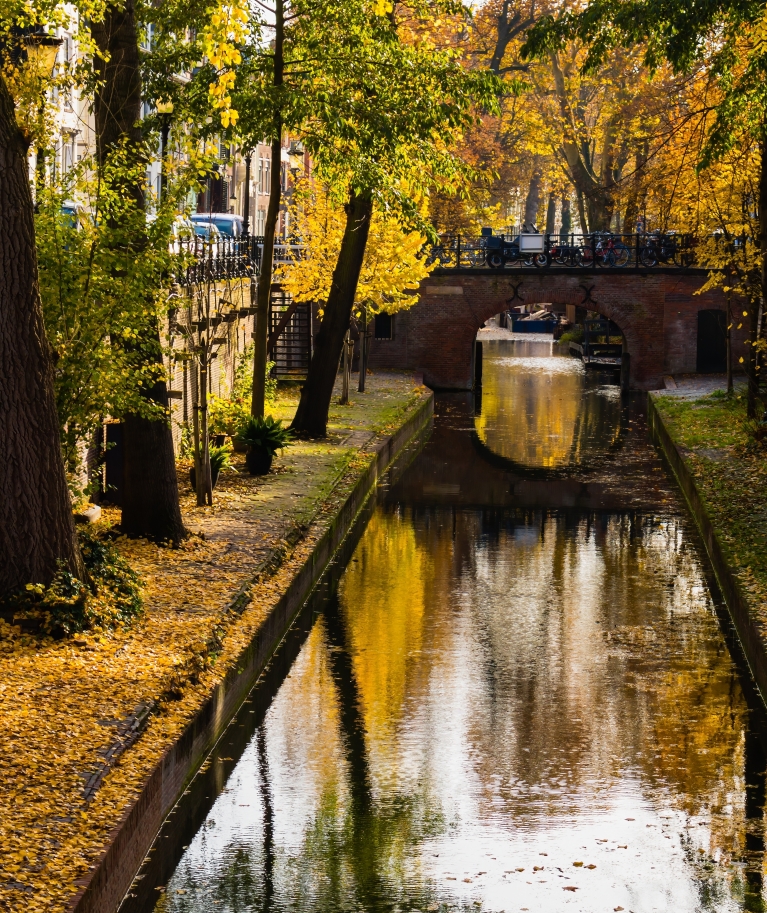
110	878
751	632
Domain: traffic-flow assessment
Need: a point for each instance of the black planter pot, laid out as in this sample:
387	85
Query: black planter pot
193	477
258	461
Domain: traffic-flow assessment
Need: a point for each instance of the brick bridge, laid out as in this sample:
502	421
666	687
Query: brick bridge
656	309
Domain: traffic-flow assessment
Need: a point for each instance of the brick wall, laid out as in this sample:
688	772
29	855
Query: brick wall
656	310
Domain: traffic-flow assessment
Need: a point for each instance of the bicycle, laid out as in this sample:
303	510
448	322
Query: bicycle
659	248
604	250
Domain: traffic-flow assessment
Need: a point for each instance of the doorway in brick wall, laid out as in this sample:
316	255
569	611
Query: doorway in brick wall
712	342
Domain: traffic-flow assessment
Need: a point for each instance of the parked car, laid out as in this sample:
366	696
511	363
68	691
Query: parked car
71	213
206	230
227	224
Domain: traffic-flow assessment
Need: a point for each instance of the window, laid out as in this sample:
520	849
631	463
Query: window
67	157
260	222
383	326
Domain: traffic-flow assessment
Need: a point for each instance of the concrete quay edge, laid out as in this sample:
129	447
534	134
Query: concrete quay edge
753	639
106	884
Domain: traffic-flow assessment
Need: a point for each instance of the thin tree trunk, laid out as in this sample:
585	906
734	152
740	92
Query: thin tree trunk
264	288
36	526
312	415
755	308
150	495
263	292
728	339
363	349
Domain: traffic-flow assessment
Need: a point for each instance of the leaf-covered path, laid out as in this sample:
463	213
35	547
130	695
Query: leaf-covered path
84	720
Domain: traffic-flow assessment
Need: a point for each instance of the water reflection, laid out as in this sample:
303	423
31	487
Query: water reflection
542	410
499	708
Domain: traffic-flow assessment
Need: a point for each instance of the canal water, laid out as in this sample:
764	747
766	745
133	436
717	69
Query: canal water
516	692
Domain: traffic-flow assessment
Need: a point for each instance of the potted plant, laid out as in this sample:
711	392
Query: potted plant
263	437
219	459
224	417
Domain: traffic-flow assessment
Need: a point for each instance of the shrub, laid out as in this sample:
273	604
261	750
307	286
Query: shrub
111	596
265	434
574	335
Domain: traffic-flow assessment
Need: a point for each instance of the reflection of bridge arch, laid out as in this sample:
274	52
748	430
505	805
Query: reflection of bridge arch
542	413
657	311
462	475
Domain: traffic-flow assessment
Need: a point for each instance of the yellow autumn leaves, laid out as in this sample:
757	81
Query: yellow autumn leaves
393	267
221	42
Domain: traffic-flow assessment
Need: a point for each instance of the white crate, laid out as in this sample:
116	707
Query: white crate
531	244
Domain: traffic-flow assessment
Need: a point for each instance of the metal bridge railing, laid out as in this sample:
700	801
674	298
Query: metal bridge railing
594	251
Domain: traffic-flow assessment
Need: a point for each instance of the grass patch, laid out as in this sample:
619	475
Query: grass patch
730	472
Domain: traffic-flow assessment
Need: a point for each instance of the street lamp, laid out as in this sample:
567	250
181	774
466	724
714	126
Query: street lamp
39	58
41	52
165	110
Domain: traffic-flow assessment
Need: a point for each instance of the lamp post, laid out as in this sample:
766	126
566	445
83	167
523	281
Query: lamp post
246	201
39	55
165	110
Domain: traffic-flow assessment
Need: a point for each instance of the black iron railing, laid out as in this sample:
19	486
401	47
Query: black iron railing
597	250
202	260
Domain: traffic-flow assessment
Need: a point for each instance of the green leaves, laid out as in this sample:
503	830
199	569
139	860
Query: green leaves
103	274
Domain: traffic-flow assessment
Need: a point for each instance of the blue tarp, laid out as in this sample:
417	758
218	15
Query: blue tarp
533	326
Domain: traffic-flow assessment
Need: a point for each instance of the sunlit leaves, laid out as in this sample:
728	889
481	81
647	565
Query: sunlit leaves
391	272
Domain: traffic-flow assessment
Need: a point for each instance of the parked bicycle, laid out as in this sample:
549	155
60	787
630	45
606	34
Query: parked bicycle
564	254
659	247
603	249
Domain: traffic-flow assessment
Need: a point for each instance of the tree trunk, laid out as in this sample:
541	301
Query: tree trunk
36	526
150	495
312	416
551	214
264	287
567	219
756	307
582	213
533	200
263	293
632	204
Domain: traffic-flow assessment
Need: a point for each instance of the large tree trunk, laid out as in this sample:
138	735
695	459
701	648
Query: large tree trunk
595	196
36	526
312	415
150	488
551	214
266	267
567	219
631	218
533	199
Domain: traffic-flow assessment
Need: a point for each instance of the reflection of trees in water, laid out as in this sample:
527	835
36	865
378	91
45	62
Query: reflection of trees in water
545	413
587	639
